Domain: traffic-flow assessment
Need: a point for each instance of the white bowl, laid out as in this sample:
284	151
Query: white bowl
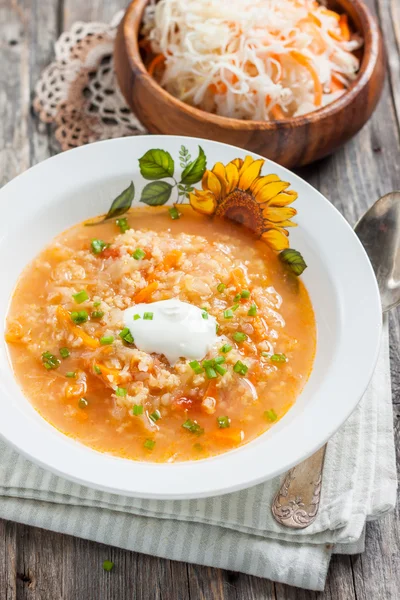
79	184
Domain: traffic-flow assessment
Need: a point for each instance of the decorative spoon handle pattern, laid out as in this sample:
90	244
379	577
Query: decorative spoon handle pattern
297	502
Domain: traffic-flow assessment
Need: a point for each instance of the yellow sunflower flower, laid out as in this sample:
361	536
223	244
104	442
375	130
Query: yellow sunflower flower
238	192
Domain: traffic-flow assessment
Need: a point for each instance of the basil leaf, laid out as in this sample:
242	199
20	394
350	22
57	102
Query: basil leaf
294	260
156	193
156	164
195	169
120	206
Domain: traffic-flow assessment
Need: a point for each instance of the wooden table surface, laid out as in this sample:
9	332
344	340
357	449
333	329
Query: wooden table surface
40	565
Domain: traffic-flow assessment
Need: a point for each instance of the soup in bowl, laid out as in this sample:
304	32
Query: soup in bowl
165	346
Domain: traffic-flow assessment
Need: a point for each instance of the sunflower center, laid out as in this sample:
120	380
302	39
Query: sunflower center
243	208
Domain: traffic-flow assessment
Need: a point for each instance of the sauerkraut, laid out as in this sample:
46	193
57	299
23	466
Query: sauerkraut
250	59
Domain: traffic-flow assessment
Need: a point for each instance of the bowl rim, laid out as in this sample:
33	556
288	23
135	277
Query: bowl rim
371	51
202	478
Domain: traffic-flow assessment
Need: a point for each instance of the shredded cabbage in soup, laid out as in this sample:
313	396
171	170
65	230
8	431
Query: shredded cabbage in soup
250	59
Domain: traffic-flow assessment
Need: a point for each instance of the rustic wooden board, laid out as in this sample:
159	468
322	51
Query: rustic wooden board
40	565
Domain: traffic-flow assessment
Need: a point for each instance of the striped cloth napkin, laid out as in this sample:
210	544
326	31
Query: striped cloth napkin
234	531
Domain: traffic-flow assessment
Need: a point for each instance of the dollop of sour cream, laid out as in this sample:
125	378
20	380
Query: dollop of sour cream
174	328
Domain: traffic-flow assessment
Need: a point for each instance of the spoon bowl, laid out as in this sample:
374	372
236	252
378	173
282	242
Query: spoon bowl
379	232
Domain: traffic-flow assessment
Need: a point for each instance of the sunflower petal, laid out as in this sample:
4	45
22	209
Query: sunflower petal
232	176
261	181
276	239
284	198
211	183
237	162
204	202
270	190
249	172
219	171
278	214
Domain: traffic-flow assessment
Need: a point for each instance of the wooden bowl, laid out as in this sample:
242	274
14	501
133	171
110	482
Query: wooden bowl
290	142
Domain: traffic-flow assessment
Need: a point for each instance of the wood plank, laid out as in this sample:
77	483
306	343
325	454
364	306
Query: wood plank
8	560
26	47
90	10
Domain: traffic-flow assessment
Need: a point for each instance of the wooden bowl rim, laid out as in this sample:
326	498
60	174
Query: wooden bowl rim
372	48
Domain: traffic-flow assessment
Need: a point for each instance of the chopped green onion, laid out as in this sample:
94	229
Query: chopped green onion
81	297
198	447
97	370
97	314
268	354
122	224
220	369
245	294
204	315
64	352
240	368
193	427
228	313
195	365
226	348
278	358
106	340
148	316
252	310
270	415
223	422
121	392
79	316
70	374
97	303
149	444
126	335
238	336
83	403
237	297
137	409
136	317
235	307
108	565
139	254
174	213
98	246
208	363
50	361
218	360
210	372
221	287
216	327
155	416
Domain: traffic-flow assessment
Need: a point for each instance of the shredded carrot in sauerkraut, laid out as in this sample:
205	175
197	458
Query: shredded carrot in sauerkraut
251	59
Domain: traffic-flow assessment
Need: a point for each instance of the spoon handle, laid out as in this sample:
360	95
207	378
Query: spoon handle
297	502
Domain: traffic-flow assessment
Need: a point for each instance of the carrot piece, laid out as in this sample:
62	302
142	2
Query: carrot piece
171	260
305	62
314	19
344	27
145	294
239	278
14	332
277	112
336	84
157	60
65	317
115	373
230	436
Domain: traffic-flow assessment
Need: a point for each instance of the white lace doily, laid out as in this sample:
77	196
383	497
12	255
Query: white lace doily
78	92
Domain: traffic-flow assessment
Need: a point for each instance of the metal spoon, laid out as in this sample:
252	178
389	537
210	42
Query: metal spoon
297	501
